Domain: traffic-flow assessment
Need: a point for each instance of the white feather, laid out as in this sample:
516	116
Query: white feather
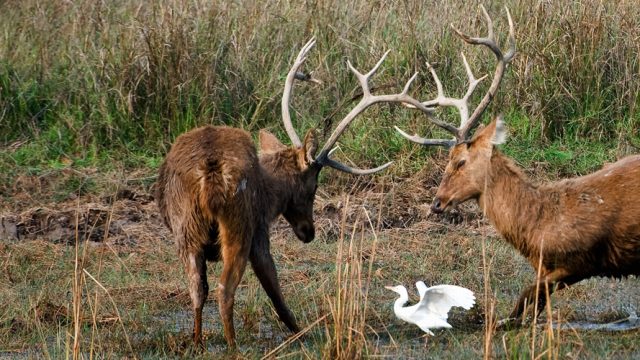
432	311
422	288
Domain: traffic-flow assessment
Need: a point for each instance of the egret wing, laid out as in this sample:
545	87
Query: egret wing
440	299
422	289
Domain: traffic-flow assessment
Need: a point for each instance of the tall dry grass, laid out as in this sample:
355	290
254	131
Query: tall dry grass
349	305
85	76
87	294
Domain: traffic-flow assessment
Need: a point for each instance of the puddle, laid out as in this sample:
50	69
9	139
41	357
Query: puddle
631	323
264	334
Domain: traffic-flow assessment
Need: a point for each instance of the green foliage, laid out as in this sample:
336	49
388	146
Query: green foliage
562	157
103	82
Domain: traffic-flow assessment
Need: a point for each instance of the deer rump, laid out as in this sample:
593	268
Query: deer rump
209	173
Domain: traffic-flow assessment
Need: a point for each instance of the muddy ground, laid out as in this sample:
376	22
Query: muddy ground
397	233
128	214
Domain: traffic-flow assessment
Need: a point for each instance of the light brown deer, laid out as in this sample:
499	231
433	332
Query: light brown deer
219	197
569	230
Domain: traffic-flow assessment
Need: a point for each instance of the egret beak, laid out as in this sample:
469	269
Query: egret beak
389	288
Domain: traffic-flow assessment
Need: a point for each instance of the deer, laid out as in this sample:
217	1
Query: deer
218	196
568	230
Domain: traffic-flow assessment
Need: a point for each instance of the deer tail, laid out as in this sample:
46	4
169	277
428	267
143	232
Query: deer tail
215	185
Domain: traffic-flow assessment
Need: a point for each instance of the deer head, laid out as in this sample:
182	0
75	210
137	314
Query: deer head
298	178
302	162
469	157
465	174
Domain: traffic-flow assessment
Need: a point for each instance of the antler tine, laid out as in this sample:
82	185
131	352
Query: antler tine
355	171
436	79
363	79
405	90
473	83
488	41
468	122
377	65
288	87
367	100
503	60
424	141
512	39
442	100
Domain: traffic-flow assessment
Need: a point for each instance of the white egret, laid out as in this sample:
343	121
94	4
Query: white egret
431	312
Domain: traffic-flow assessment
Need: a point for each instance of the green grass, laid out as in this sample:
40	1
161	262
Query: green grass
565	157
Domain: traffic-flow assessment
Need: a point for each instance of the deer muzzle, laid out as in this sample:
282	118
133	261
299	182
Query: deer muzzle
436	206
305	232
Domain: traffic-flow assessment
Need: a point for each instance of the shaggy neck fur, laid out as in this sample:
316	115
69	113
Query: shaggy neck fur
512	203
277	184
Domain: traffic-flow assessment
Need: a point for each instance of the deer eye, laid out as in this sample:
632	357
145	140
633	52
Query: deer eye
460	164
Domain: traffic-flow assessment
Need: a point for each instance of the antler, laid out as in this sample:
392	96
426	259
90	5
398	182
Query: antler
467	123
368	99
288	86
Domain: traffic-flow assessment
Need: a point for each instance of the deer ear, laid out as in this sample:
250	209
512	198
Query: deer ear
494	134
269	143
310	146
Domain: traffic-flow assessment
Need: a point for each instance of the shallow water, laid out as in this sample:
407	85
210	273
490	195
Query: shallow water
631	323
181	321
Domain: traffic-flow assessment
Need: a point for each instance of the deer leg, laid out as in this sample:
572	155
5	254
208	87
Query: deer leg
235	251
265	270
554	280
196	269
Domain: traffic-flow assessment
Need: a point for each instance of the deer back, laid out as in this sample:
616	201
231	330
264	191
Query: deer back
209	171
601	207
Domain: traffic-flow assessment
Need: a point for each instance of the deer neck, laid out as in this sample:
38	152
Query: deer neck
512	203
275	194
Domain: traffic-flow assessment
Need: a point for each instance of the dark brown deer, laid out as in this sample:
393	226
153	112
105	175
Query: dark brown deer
569	230
218	197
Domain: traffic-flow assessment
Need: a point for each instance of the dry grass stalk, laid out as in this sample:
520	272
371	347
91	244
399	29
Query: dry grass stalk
350	303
